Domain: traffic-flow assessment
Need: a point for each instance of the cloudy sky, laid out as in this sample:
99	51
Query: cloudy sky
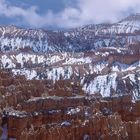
64	13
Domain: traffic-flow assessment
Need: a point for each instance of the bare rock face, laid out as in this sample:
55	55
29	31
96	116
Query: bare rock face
133	129
98	127
29	113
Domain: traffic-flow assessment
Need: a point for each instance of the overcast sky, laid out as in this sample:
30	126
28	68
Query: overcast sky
64	13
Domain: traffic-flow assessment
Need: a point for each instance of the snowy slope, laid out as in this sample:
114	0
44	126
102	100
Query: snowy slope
87	38
96	73
104	58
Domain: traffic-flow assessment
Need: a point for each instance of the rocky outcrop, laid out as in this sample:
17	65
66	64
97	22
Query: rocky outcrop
77	84
28	112
95	128
92	118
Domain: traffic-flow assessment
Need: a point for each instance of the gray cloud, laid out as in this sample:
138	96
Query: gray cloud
83	12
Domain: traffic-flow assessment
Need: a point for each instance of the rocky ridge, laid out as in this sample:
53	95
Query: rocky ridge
83	83
106	55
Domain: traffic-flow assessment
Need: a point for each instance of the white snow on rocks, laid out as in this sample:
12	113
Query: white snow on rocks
29	74
102	84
